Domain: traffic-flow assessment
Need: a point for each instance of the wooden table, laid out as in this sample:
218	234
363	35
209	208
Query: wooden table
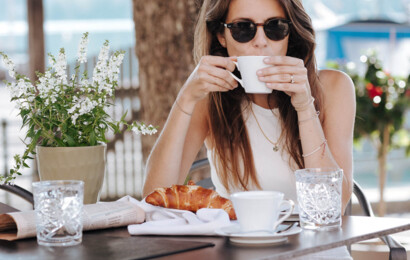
118	244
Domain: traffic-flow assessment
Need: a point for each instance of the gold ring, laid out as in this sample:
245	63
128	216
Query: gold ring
291	79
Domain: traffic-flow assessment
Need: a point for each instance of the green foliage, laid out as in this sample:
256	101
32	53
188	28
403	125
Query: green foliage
381	101
58	112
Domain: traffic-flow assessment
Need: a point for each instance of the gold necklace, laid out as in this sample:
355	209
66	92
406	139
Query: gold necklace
275	145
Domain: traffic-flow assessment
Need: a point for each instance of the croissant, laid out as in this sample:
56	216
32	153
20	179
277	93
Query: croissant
190	197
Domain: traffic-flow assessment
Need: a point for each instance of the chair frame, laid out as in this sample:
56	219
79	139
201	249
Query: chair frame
19	191
397	251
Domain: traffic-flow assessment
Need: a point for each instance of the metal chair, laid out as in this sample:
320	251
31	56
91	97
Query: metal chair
19	191
397	251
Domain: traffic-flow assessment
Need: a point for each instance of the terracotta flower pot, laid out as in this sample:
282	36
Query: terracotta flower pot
86	163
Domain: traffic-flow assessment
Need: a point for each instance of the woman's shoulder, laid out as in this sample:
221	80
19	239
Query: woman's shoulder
336	84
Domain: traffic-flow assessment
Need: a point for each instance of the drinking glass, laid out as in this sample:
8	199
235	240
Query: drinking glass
319	192
58	206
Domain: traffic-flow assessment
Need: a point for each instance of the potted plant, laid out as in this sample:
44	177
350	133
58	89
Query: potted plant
66	118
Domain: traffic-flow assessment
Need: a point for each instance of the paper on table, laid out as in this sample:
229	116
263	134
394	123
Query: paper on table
164	221
18	225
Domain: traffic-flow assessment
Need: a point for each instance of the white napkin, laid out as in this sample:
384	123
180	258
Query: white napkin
163	221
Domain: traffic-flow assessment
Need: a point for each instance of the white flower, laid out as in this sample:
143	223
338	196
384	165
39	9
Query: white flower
72	109
82	49
60	67
9	65
74	118
51	60
141	128
103	56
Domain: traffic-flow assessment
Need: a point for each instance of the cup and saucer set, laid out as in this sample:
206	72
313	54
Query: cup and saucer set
260	219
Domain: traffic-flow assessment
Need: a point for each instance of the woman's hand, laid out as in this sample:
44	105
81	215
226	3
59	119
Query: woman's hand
210	75
287	74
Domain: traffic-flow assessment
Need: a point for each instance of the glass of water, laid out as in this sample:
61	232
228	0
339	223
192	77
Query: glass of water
319	192
58	206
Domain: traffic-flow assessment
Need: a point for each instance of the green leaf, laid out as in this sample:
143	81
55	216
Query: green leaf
60	142
69	140
123	116
93	140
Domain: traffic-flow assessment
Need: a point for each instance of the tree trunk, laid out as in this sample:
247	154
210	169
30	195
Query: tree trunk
164	42
382	158
35	37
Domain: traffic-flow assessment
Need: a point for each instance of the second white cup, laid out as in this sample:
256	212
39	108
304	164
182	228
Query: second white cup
247	66
259	210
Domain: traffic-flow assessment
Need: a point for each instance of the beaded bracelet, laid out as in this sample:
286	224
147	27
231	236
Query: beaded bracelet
180	108
316	115
317	149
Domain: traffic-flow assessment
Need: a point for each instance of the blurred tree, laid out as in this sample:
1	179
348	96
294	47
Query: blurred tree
382	101
164	41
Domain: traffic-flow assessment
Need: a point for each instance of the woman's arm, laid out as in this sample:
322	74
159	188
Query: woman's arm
338	113
330	144
186	127
338	123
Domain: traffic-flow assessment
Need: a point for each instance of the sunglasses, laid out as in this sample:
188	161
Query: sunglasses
275	29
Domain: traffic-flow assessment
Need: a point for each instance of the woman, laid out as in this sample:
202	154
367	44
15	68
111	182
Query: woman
256	141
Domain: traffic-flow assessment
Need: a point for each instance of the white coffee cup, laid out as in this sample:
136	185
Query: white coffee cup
259	210
248	66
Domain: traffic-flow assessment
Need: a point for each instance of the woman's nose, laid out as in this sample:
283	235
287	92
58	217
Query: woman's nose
260	39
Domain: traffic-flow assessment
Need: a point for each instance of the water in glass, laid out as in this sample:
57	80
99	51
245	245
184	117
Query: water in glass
319	193
58	207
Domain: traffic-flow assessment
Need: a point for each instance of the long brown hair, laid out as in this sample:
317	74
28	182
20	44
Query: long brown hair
228	135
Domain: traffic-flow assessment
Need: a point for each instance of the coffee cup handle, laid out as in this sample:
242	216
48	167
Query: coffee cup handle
235	77
290	211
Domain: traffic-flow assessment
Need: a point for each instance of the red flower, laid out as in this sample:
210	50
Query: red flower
373	91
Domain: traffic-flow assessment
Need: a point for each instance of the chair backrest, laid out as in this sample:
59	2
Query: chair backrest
19	191
357	190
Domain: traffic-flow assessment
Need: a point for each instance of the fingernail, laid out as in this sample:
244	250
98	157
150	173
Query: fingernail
266	59
268	84
259	72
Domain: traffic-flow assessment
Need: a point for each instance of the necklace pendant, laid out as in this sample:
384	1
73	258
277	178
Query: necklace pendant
275	148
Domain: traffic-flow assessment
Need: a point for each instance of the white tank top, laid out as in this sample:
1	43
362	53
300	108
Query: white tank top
272	168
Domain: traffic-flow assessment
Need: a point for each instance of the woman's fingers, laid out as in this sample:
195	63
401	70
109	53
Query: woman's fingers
286	74
284	78
284	60
216	70
281	70
217	61
221	76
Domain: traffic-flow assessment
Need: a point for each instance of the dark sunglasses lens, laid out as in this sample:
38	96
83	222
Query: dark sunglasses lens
276	30
243	31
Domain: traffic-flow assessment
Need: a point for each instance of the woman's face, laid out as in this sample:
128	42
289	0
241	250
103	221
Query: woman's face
257	11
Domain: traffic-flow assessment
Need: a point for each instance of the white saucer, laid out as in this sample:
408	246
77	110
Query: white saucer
257	238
